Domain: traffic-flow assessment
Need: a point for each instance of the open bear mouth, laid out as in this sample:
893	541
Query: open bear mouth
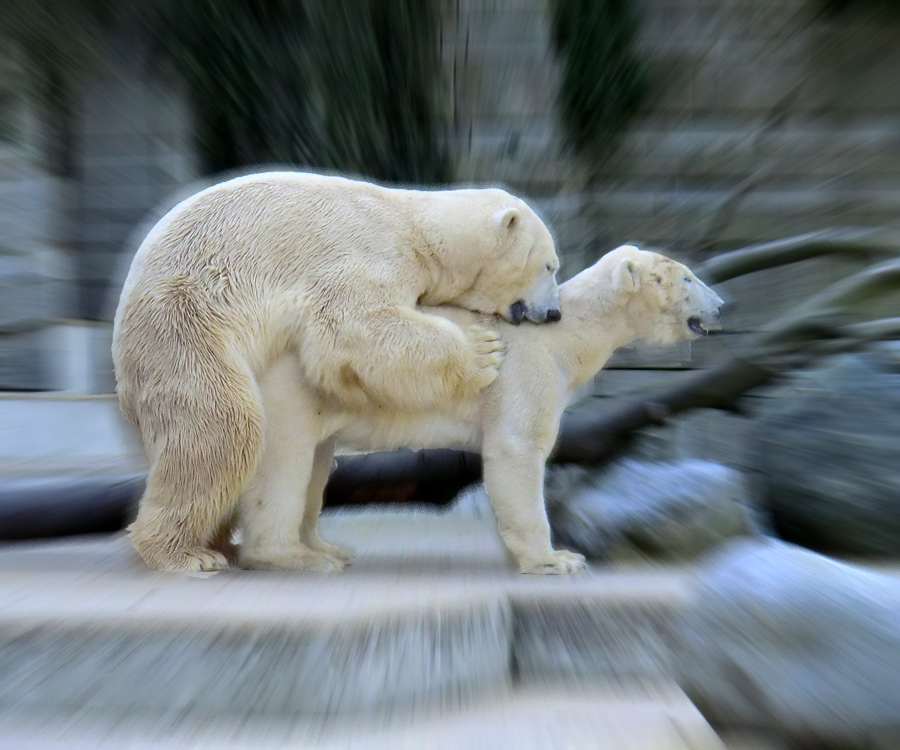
696	326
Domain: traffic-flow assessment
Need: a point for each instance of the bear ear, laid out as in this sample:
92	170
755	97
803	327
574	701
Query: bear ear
625	277
508	217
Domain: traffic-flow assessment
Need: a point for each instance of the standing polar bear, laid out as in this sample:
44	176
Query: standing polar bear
331	270
628	295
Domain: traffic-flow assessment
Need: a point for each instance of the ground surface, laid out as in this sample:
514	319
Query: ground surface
431	640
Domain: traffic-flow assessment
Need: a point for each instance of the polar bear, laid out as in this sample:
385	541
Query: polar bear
628	295
332	270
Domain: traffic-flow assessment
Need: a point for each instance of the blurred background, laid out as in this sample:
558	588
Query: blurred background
756	140
698	126
695	126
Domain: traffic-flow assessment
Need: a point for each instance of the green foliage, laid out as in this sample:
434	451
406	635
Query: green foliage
885	9
603	81
51	38
244	65
45	44
378	69
349	85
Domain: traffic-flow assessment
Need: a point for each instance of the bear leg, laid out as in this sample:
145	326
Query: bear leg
514	481
199	460
309	527
271	507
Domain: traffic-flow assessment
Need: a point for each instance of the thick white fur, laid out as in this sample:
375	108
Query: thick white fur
332	270
627	295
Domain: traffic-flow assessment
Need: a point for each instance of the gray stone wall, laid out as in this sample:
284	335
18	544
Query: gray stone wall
802	110
36	271
134	151
503	79
768	93
772	91
802	104
62	240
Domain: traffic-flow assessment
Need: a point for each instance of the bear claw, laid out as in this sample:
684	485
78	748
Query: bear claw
194	560
307	562
489	352
561	562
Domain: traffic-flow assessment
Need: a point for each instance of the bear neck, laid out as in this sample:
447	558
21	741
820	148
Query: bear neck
596	321
443	278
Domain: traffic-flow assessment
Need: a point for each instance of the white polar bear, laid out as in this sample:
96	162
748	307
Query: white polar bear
627	295
331	270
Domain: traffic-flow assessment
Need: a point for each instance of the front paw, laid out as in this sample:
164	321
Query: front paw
561	562
488	348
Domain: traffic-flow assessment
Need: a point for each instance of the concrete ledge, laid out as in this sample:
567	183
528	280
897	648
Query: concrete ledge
432	619
527	720
452	652
69	464
619	645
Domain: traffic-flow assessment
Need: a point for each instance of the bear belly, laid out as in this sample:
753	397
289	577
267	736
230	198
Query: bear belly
430	431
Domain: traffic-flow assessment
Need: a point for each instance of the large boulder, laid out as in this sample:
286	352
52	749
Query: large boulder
671	511
829	455
783	640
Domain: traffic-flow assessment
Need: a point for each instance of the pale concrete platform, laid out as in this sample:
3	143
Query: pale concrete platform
431	636
528	719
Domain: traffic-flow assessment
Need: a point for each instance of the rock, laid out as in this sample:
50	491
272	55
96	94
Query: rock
674	510
828	456
781	639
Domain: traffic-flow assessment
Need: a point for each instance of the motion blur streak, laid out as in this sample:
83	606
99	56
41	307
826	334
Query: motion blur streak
698	127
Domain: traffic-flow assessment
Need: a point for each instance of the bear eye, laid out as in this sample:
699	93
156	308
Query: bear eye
687	280
550	268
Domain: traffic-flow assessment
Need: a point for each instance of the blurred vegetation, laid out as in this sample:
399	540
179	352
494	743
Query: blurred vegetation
887	9
350	85
46	44
604	81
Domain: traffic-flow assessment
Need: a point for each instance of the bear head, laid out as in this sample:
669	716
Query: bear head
520	282
668	302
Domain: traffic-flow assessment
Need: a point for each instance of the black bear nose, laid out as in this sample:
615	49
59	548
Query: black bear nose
553	316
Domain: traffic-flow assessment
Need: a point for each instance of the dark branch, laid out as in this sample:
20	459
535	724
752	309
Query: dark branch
860	242
432	477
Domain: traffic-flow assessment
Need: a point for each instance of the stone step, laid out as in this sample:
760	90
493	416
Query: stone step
432	619
527	719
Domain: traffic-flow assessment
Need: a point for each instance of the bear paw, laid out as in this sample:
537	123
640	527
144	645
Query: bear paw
192	560
343	556
301	559
488	350
561	562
